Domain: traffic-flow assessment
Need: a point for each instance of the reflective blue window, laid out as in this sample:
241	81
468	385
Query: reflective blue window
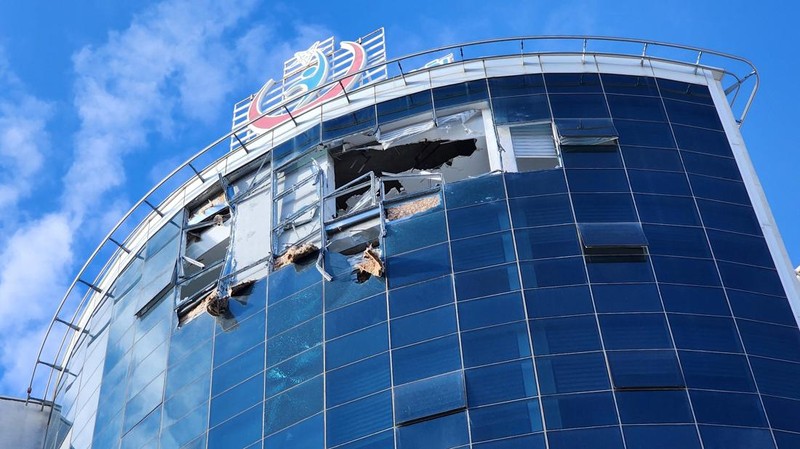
483	251
563	335
344	289
740	248
477	220
487	281
294	405
684	91
418	266
579	410
552	272
736	409
237	399
429	397
612	298
649	407
516	85
293	372
526	108
544	182
661	437
500	383
769	340
692	114
603	207
540	211
403	107
716	437
306	434
645	369
597	180
753	306
440	433
458	94
247	334
415	232
636	107
579	106
704	333
484	189
664	209
559	301
382	440
498	421
662	182
702	164
495	344
356	316
231	373
489	311
359	418
712	371
356	346
635	331
729	217
423	326
680	270
652	158
677	241
528	442
783	413
702	140
294	310
572	373
719	189
291	279
422	296
426	359
691	299
777	378
357	380
361	120
627	84
648	134
294	341
564	83
296	145
603	437
244	306
182	431
755	279
240	431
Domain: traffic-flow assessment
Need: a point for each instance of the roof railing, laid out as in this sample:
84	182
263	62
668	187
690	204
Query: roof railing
643	50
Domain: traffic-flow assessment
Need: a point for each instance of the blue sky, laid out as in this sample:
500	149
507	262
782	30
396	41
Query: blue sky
99	100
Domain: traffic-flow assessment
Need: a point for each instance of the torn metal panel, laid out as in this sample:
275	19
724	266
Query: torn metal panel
370	265
213	206
412	207
354	239
251	236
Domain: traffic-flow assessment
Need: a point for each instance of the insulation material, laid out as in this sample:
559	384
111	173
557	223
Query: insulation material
216	305
295	254
412	207
370	265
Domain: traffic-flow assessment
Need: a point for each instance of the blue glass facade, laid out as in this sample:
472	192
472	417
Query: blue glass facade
626	299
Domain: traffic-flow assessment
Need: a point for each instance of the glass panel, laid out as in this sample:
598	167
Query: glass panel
403	107
239	431
426	359
652	158
415	232
650	407
292	279
516	85
544	182
740	248
744	277
783	413
294	310
729	217
572	82
579	106
357	380
500	383
553	272
579	410
490	311
635	331
702	140
677	241
627	84
356	346
487	281
441	433
648	134
477	220
719	189
761	307
359	418
540	211
666	183
423	326
355	316
597	180
645	369
704	333
719	167
418	266
296	146
592	156
479	190
625	268
293	406
636	107
551	302
680	270
528	442
525	108
614	298
294	371
572	373
716	371
692	114
564	335
458	94
422	296
594	235
604	437
685	91
661	437
498	421
308	434
769	340
603	207
736	409
238	398
237	370
688	299
294	341
361	120
715	437
429	397
495	344
487	250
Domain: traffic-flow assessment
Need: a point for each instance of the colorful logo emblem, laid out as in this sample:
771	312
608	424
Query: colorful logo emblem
298	93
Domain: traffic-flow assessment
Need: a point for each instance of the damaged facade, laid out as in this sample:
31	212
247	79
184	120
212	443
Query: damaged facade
536	250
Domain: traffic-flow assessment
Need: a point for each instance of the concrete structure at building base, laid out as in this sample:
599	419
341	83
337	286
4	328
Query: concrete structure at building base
492	245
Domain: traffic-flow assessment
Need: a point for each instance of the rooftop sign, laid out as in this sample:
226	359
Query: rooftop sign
321	64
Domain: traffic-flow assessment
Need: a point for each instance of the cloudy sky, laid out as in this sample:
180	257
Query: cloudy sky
100	99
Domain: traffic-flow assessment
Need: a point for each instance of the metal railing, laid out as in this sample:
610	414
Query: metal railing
742	71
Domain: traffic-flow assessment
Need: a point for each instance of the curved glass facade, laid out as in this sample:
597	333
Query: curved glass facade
619	294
